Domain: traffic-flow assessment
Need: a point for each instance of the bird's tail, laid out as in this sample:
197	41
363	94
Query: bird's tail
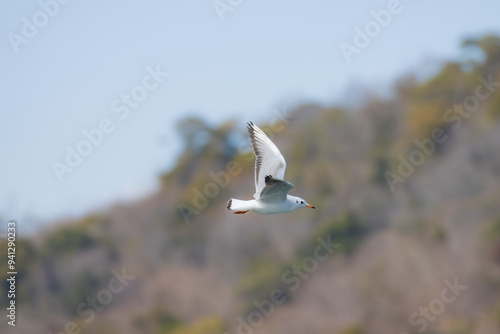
238	205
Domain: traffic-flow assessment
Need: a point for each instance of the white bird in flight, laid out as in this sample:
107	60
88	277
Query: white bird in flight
271	194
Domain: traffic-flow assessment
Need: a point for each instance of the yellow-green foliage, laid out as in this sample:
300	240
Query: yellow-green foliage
210	325
489	46
69	239
492	235
497	315
79	236
347	231
25	255
456	326
205	149
423	117
261	278
157	321
494	106
493	230
448	86
431	99
354	329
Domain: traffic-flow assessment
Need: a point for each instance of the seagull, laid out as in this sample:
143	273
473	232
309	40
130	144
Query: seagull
271	194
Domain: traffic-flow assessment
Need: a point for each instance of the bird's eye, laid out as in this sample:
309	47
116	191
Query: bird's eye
301	202
296	201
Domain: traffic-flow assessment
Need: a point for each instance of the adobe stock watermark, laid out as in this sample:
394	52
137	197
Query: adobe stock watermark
103	298
120	108
292	277
364	36
222	7
455	117
31	26
220	180
436	307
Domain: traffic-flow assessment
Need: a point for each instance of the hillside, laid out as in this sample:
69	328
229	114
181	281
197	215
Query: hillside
407	193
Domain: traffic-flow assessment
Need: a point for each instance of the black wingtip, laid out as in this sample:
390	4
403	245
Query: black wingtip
229	203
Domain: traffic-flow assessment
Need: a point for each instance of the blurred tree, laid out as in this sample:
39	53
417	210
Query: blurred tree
210	325
157	321
489	47
488	65
260	279
354	329
346	231
195	133
206	149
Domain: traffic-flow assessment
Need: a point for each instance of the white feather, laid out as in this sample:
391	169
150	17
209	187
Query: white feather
269	160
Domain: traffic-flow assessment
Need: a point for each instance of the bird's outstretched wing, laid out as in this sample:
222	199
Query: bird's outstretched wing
275	189
269	160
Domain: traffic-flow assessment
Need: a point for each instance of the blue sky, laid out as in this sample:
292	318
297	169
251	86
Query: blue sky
263	55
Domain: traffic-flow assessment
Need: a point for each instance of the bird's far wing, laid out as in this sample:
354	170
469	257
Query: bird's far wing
268	161
275	190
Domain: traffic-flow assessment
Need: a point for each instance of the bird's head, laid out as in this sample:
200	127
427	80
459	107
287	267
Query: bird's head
301	203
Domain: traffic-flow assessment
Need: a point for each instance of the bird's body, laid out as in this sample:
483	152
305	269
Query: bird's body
264	208
271	189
